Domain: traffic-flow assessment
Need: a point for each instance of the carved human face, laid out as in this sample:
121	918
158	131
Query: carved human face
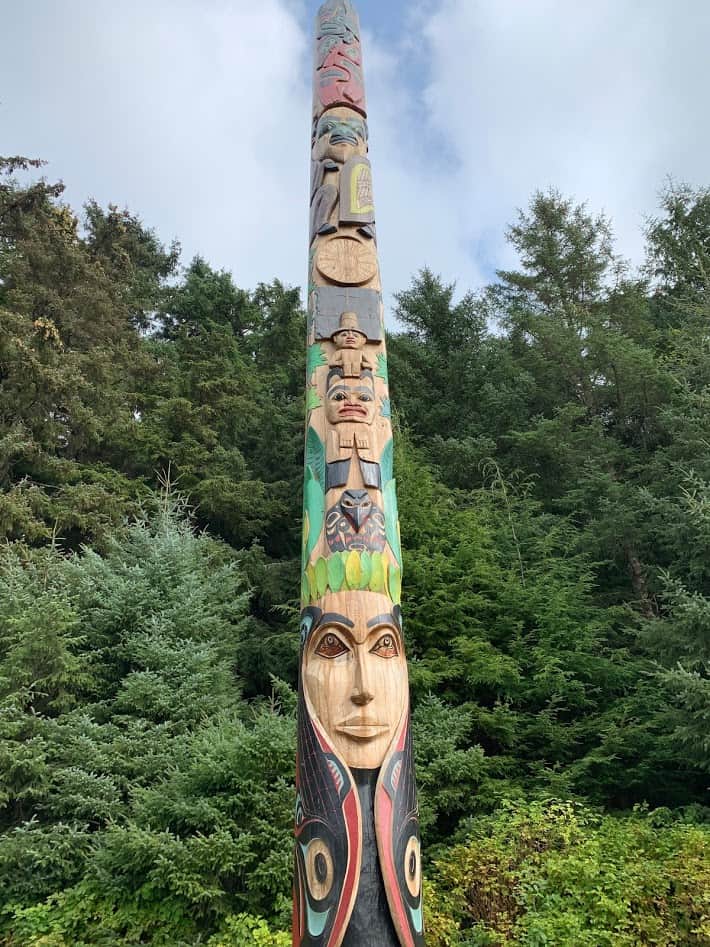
355	675
351	400
341	133
349	339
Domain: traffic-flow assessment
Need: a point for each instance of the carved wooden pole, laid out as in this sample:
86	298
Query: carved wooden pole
357	866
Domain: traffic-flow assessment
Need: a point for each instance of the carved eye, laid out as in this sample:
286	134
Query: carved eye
386	647
339	396
319	869
331	647
413	867
365	396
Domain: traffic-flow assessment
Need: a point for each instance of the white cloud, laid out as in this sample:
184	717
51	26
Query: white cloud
196	114
601	100
420	219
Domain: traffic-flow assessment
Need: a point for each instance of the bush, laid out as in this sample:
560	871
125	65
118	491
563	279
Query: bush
557	873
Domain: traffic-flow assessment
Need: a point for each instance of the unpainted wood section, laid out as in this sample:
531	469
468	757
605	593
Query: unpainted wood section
355	676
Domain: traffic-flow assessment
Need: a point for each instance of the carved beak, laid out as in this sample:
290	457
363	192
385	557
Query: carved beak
355	507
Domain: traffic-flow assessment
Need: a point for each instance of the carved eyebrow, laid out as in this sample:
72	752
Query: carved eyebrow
383	620
331	618
358	388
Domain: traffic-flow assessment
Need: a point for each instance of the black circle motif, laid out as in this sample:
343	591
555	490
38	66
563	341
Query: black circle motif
321	868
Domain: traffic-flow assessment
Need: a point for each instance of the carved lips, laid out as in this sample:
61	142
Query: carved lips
362	728
349	411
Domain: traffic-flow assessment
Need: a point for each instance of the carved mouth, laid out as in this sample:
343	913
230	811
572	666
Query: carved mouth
353	411
362	729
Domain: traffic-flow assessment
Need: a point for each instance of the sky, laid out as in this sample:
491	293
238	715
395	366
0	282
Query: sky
195	114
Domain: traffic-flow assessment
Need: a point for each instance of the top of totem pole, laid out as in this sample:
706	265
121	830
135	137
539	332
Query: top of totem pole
338	80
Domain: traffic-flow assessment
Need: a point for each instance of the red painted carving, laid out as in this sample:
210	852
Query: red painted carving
340	80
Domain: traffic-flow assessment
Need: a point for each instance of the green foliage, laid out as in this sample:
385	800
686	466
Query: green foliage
575	456
141	797
553	485
558	873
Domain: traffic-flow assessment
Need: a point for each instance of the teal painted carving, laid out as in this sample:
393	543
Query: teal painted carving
386	408
382	368
313	493
387	461
315	455
392	519
316	358
389	494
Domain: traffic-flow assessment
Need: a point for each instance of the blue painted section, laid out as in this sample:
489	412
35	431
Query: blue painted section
316	921
417	918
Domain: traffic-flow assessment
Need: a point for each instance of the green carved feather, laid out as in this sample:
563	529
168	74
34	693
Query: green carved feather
392	519
313	493
336	572
382	371
366	569
395	584
314	504
315	455
313	399
316	358
387	461
378	573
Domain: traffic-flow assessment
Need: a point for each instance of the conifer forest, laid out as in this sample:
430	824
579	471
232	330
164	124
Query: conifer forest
553	468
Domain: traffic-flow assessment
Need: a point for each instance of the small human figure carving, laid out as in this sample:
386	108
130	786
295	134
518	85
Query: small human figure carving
350	410
350	341
340	134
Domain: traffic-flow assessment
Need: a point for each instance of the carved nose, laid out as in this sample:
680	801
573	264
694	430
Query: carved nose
361	693
361	696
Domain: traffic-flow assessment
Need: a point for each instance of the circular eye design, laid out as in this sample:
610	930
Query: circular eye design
413	866
365	396
319	869
331	646
386	647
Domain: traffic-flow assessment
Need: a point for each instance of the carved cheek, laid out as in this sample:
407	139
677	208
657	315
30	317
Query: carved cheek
394	685
320	148
328	683
331	411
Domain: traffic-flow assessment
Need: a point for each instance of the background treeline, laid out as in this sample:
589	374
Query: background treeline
554	479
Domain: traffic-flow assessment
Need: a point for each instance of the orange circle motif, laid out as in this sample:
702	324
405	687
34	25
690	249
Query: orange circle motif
347	261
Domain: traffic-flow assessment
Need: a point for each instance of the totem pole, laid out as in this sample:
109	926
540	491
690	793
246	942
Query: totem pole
357	865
